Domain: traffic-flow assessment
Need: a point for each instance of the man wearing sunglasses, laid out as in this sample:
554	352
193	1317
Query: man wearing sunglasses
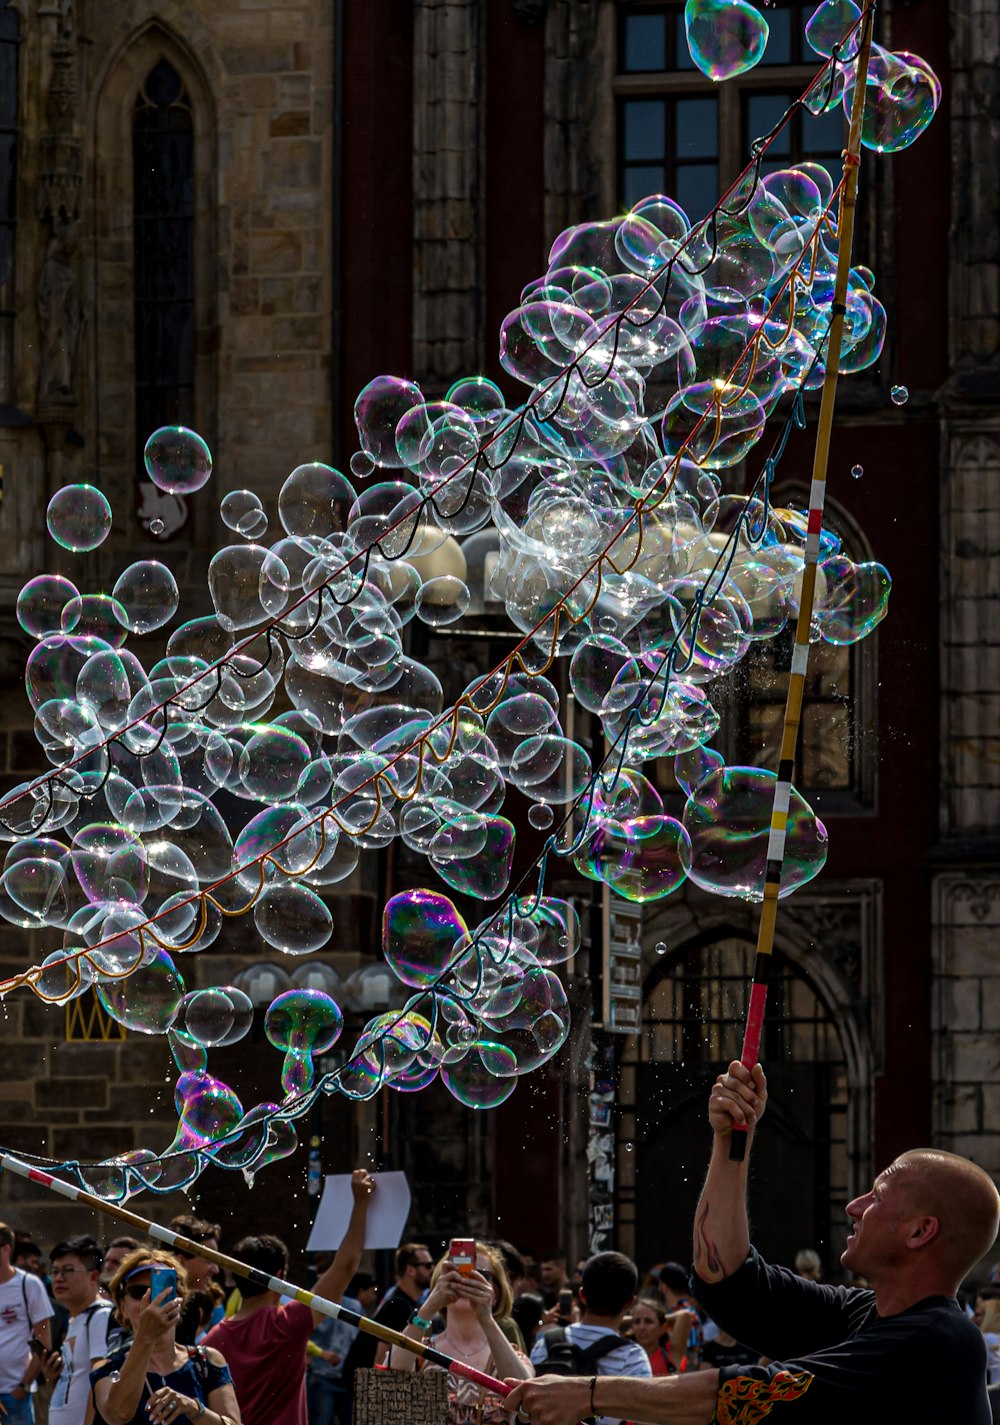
76	1279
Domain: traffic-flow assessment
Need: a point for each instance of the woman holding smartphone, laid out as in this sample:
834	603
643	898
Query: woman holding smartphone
155	1379
469	1299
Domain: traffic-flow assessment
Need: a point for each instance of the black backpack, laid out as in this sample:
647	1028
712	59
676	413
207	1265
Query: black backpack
565	1359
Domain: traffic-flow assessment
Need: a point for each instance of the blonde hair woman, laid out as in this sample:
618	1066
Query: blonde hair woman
470	1305
156	1379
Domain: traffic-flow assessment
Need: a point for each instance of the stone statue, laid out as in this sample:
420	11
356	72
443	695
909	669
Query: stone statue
60	316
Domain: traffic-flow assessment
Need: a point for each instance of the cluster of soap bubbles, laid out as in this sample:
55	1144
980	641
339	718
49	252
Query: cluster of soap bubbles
902	92
590	509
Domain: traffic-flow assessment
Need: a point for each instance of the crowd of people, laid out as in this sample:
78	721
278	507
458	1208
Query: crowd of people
130	1332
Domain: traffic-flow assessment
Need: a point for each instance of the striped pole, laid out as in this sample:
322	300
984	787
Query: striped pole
800	656
241	1269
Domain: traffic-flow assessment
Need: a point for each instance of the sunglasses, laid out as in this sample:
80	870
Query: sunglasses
136	1292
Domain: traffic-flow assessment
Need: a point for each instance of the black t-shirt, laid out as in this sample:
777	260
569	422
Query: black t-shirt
394	1311
836	1360
714	1353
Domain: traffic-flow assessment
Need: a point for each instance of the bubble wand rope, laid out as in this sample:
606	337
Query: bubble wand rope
800	655
240	1269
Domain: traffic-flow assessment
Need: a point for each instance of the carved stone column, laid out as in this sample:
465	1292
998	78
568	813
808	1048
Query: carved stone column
579	114
58	298
448	184
966	967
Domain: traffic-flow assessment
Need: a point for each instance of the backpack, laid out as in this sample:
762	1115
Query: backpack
566	1359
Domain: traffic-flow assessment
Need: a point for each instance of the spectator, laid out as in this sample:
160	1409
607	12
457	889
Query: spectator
117	1250
28	1256
662	1335
25	1314
552	1271
265	1341
326	1353
201	1309
513	1265
808	1265
75	1271
414	1265
607	1290
673	1279
471	1306
527	1315
155	1378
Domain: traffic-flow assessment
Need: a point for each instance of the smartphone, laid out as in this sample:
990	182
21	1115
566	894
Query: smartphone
566	1305
159	1278
462	1254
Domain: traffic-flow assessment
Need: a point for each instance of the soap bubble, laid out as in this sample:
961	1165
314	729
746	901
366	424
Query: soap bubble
829	27
177	460
256	758
857	471
78	518
147	596
725	37
899	395
41	602
148	999
728	821
420	930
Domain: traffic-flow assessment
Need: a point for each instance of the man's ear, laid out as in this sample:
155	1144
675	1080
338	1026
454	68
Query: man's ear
923	1231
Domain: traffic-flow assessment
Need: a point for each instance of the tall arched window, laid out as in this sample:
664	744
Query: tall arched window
163	148
9	42
692	1026
836	760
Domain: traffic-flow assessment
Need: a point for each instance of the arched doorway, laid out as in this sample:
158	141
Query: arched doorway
693	1012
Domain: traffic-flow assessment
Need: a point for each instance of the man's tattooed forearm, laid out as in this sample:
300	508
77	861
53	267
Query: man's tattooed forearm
707	1250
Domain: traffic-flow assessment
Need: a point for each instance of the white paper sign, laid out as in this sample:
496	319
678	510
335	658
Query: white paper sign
388	1209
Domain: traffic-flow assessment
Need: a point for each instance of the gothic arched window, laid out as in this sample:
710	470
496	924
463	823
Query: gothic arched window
9	42
163	147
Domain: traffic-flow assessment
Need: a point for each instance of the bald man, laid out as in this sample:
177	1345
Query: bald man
902	1351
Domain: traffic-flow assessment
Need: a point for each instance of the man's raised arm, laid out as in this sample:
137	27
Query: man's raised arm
721	1232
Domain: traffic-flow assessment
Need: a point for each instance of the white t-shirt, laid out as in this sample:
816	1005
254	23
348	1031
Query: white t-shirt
86	1341
16	1323
628	1359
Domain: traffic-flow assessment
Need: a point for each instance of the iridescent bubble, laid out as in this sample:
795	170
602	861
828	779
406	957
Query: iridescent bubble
902	95
208	1110
292	918
485	1078
486	875
442	600
855	599
302	1023
147	596
728	820
78	517
380	407
241	511
148	999
177	460
828	26
420	930
216	1016
643	858
156	526
899	395
857	471
41	602
541	816
314	502
725	37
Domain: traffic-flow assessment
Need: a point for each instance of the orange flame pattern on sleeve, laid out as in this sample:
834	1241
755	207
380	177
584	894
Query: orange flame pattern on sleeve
745	1401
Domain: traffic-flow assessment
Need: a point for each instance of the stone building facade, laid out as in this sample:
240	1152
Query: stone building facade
372	182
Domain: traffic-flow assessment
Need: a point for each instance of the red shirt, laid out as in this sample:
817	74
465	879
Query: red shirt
266	1355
